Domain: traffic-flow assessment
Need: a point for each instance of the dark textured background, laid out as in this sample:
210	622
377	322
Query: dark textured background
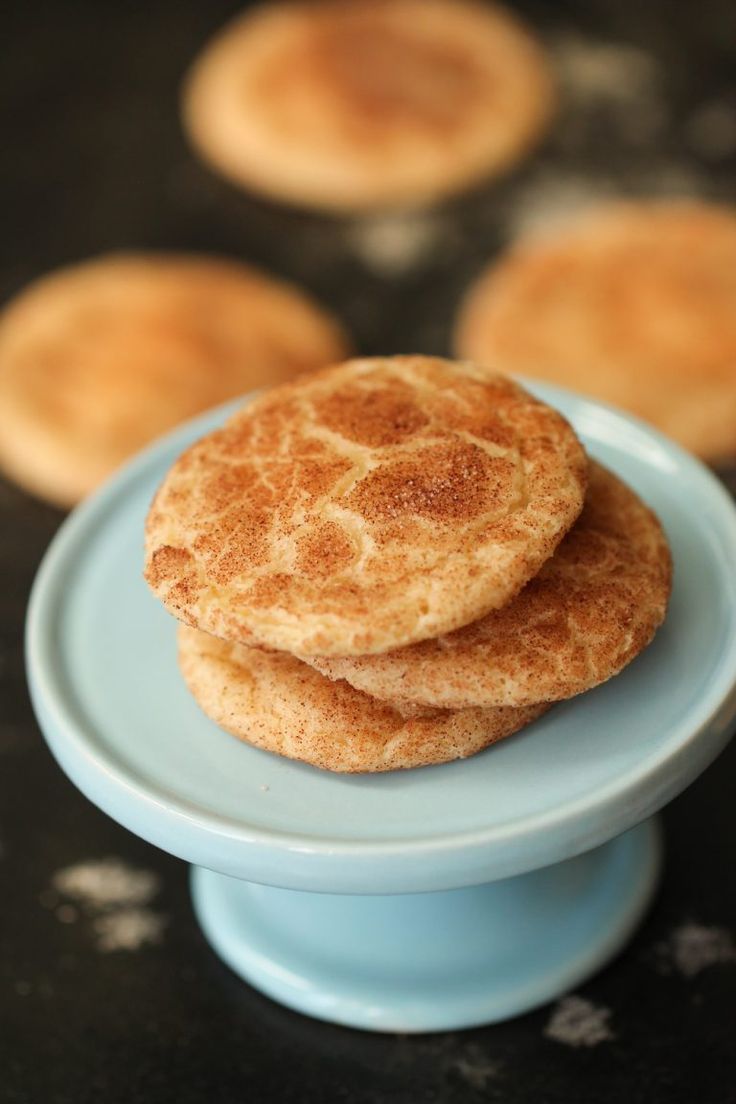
92	159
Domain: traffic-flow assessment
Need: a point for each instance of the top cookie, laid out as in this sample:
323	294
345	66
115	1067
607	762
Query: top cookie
591	609
99	358
350	104
634	304
364	507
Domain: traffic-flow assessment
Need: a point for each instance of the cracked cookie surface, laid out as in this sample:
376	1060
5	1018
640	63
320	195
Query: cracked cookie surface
364	507
591	609
282	705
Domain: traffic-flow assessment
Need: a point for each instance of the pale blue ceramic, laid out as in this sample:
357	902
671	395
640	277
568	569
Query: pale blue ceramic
108	695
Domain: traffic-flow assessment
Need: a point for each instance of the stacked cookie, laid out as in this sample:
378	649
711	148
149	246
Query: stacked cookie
394	562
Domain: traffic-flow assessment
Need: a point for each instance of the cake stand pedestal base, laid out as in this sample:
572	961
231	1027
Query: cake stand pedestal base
434	961
112	704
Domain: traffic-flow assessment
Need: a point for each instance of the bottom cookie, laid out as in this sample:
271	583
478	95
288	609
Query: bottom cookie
278	703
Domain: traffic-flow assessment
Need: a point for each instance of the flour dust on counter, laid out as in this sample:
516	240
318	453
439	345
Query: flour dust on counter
476	1068
577	1022
612	81
691	948
396	244
128	929
115	896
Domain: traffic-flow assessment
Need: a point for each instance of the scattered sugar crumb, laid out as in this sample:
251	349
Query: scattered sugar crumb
577	1022
552	198
611	80
592	68
116	895
475	1068
546	203
106	883
128	929
392	245
692	948
264	788
710	130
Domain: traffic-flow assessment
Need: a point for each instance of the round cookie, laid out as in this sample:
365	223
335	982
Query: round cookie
98	359
354	104
280	704
364	507
591	609
634	304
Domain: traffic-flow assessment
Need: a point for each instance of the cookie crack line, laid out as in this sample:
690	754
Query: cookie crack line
317	543
595	604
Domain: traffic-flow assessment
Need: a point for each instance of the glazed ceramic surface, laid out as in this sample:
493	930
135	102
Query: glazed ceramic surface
434	961
106	687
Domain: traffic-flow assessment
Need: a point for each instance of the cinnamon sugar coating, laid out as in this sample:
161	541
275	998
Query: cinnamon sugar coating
595	604
280	704
364	507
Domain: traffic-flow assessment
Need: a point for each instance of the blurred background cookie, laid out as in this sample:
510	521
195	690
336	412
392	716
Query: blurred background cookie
595	604
353	104
635	304
98	359
278	703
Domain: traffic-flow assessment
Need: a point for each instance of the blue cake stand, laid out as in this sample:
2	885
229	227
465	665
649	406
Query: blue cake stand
437	898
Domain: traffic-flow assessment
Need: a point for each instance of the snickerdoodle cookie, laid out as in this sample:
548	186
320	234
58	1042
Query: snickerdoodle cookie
595	604
634	304
99	358
364	507
355	104
280	704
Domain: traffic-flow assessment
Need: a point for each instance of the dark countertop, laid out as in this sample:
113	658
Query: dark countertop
93	159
